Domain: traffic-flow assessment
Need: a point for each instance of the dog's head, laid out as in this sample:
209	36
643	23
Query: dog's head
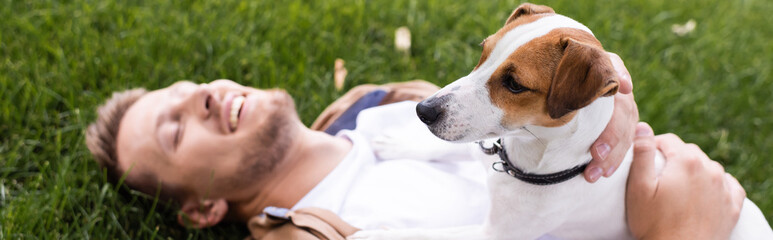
537	70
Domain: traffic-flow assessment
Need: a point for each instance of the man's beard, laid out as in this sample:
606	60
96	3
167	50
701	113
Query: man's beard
268	147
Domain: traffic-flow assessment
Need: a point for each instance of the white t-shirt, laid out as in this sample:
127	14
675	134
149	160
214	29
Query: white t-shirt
371	193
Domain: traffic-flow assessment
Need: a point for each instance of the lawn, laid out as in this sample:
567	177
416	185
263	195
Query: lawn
60	59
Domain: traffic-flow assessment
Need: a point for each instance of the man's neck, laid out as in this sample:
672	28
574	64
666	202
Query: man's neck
544	150
312	156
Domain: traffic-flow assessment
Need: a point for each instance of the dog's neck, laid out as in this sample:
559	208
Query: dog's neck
544	150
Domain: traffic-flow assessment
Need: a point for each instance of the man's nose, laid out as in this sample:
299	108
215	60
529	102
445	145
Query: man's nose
203	102
428	111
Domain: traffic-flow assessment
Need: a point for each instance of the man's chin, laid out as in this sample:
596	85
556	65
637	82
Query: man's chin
282	98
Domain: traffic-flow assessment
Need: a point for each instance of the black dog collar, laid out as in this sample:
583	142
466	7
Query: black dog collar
536	179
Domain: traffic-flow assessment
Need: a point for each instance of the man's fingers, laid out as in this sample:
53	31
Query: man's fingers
605	151
643	172
600	151
626	85
714	167
739	194
670	144
610	148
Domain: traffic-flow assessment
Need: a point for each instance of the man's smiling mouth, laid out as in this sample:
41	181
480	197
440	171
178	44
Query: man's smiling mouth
236	107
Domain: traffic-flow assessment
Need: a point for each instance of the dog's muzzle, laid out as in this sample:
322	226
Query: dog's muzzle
431	110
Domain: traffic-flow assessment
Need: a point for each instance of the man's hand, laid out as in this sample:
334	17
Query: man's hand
609	149
692	198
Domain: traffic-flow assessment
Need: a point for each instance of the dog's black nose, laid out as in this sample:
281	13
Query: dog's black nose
427	112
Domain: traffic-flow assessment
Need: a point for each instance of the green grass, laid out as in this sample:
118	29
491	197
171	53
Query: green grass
60	59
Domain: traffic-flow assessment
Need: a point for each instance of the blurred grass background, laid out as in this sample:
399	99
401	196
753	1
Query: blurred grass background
60	59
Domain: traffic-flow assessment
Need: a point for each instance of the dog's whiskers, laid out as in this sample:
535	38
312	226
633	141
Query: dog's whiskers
535	136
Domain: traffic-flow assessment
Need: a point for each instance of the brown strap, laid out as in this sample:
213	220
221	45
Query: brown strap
415	90
343	228
335	109
305	223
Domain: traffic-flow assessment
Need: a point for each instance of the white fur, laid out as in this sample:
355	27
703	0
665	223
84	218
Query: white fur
573	209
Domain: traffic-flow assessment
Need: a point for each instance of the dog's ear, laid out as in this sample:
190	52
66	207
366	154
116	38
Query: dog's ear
583	74
528	9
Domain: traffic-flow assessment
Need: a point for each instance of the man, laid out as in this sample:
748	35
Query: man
225	151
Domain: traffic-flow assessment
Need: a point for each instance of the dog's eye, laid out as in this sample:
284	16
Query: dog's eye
513	85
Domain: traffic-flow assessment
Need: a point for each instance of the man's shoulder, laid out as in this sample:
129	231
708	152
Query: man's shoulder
415	90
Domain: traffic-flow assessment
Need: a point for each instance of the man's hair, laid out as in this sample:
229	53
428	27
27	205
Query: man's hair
102	136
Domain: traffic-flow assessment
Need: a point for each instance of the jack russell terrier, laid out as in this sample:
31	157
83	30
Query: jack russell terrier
541	87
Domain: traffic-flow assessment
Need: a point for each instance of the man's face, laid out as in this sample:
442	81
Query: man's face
212	139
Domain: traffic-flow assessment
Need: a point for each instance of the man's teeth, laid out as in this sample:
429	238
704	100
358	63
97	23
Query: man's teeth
235	107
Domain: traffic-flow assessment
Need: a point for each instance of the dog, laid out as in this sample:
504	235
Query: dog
542	87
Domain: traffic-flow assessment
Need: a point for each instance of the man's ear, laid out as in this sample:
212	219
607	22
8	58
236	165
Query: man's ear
202	214
528	9
584	74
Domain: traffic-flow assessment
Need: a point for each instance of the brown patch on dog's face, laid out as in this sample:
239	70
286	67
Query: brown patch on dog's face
525	13
525	86
528	9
